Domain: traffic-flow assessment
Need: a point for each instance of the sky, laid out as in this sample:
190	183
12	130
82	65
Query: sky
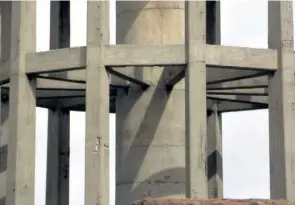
245	134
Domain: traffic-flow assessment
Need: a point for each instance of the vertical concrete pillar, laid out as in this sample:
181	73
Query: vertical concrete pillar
214	128
58	143
214	150
195	100
3	150
97	105
150	129
22	105
57	181
282	101
4	110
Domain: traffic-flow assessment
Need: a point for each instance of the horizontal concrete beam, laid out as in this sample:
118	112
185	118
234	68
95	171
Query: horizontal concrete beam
151	55
43	83
230	106
65	102
259	100
256	82
50	84
229	78
78	104
56	60
74	76
51	94
239	91
217	75
144	55
243	58
229	102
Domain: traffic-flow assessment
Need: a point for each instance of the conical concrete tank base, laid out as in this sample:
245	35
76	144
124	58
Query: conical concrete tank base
150	124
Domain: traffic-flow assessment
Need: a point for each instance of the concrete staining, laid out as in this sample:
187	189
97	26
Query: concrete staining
167	79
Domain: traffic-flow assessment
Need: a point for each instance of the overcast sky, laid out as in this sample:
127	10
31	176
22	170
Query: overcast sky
245	134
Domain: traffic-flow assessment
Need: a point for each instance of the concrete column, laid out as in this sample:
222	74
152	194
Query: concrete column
97	106
195	100
22	105
4	110
282	101
214	150
58	143
150	129
57	182
3	149
214	128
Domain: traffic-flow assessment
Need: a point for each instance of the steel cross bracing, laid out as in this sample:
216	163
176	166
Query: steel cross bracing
236	76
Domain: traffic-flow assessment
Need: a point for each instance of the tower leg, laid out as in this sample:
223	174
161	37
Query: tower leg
97	105
282	102
214	150
4	112
58	143
3	150
22	105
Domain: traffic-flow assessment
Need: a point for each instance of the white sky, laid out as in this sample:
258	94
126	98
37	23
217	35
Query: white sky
245	134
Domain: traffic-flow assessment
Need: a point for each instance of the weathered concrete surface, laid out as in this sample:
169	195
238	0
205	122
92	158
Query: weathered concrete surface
212	202
150	124
22	105
195	101
97	106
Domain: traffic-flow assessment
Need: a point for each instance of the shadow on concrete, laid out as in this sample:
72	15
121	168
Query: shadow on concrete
146	131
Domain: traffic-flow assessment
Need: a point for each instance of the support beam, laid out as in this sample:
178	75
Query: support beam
282	101
152	55
217	75
97	105
256	82
74	76
58	140
214	75
22	110
144	55
57	60
195	100
132	79
260	100
242	58
59	93
45	84
225	105
175	79
239	91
